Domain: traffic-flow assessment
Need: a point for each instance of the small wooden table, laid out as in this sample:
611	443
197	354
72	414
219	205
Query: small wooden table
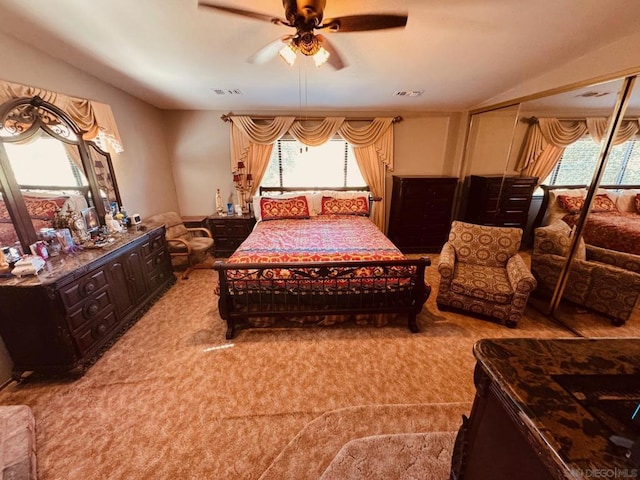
193	221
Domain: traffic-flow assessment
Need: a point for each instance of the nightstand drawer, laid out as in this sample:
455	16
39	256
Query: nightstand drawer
229	232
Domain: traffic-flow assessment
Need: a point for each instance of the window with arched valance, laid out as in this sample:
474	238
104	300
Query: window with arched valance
252	143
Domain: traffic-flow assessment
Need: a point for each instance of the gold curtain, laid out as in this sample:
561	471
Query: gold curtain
92	117
547	139
252	143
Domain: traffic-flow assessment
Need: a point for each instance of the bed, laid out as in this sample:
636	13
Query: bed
614	220
318	262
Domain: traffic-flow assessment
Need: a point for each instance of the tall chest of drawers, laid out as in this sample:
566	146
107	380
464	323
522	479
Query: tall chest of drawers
420	215
499	200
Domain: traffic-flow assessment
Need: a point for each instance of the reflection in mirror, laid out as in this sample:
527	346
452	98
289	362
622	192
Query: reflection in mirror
595	292
45	170
103	168
488	158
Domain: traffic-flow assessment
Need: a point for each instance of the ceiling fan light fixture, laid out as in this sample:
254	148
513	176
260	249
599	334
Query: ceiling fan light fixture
288	54
321	57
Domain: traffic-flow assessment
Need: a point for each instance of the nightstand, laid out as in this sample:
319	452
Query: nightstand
194	221
229	232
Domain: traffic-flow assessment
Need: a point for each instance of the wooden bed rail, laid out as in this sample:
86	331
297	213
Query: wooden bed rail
252	290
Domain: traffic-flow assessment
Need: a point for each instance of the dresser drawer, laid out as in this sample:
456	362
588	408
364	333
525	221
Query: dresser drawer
96	332
83	288
156	243
89	309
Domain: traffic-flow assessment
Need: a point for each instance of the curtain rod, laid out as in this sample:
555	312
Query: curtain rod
228	117
534	119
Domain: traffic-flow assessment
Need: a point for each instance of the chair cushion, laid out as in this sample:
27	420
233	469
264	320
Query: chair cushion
484	245
482	282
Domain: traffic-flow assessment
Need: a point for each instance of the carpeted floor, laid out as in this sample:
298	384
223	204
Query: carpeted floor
174	399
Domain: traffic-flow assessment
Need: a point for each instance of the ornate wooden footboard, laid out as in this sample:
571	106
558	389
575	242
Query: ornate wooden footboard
281	290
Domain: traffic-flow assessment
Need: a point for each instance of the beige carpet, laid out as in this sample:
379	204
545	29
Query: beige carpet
174	399
407	456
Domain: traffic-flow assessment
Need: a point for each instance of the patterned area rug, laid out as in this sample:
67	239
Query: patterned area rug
401	456
311	451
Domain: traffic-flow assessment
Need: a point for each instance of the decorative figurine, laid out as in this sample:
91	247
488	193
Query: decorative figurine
113	226
219	208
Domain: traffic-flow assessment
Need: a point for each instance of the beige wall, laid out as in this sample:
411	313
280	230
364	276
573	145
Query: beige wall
425	144
143	170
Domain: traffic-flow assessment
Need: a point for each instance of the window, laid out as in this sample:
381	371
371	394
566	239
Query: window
578	162
293	164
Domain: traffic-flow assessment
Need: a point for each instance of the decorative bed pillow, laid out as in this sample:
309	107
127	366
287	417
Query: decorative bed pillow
626	200
637	202
281	208
602	203
43	208
345	206
571	203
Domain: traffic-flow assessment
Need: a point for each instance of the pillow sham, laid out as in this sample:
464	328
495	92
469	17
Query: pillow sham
282	208
571	203
602	203
345	206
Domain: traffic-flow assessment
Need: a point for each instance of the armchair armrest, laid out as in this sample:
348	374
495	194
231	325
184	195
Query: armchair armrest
521	278
206	231
626	261
179	241
446	263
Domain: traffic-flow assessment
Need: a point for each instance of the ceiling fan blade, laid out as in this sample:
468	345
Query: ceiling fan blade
335	60
244	13
360	23
269	51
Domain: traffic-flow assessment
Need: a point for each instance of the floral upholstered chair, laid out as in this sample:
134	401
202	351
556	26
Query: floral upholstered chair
482	273
602	280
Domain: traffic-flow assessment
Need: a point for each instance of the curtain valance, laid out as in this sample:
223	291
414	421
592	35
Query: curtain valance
252	143
547	139
94	118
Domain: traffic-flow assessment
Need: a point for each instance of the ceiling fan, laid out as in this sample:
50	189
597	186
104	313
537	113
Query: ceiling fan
306	16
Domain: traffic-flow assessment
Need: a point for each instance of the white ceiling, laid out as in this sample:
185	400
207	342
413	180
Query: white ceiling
460	53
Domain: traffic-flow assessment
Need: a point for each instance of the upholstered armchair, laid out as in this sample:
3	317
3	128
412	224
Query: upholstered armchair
602	280
481	272
190	244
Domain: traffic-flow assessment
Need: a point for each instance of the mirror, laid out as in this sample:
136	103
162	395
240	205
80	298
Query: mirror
488	154
46	167
596	102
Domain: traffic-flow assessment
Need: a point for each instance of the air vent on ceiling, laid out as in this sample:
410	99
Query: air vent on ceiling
408	93
233	91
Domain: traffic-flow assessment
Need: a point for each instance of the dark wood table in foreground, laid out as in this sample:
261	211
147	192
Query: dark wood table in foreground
546	409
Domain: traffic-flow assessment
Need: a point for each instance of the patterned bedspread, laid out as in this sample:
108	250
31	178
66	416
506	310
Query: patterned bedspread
317	239
324	238
613	230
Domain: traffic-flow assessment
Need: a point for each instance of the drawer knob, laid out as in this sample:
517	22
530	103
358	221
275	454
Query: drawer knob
91	309
89	287
99	331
